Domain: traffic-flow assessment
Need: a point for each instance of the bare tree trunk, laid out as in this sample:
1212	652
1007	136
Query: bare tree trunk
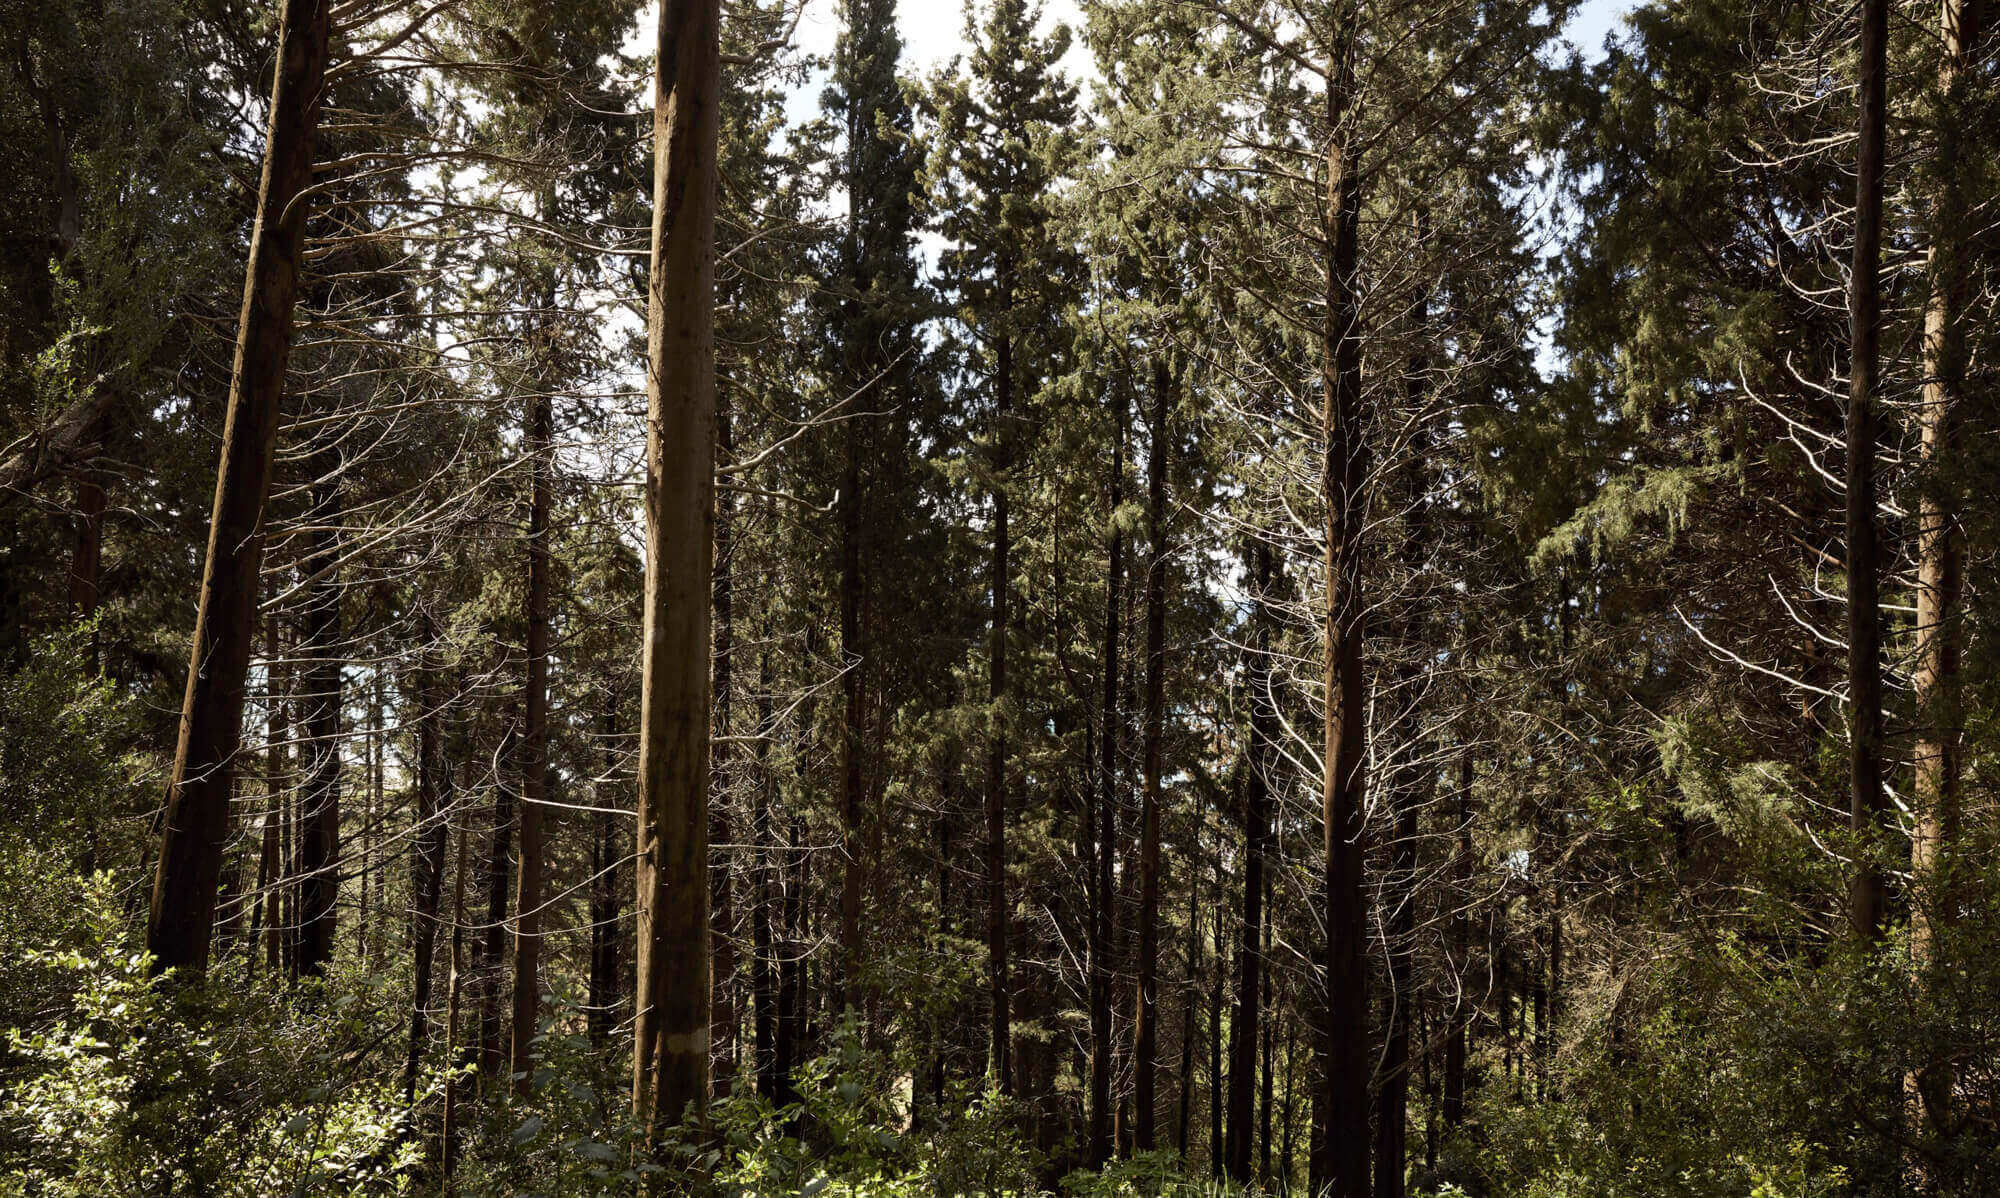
1145	1023
319	829
608	855
454	991
1106	819
1940	552
86	560
763	972
427	867
998	985
1189	989
1341	1147
1256	842
671	1036
493	949
1461	949
534	756
722	882
271	879
1866	903
197	811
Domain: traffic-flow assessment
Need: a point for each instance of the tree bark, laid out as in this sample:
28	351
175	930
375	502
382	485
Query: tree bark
1145	1023
427	867
322	678
998	986
1940	552
1341	1147
763	968
671	1038
1461	949
197	811
1106	820
493	948
534	756
1256	842
722	881
1866	903
607	866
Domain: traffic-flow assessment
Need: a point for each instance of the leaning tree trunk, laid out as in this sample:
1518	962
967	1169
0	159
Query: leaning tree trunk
1256	842
671	1033
1864	627
1145	1024
197	812
534	757
998	986
1341	1153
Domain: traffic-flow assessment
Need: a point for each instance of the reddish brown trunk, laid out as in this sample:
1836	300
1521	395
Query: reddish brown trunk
197	810
671	1024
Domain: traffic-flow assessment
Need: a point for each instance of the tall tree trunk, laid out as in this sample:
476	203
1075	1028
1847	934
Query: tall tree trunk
453	1053
1392	1105
998	986
671	1038
1145	1023
1341	1147
534	755
427	868
1189	989
1461	949
763	970
1256	841
272	882
1106	820
493	949
722	882
319	827
197	812
1866	902
607	866
854	669
1940	549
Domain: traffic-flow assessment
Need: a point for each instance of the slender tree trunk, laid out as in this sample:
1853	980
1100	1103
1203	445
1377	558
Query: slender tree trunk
791	971
852	679
1189	989
1256	841
1106	820
454	993
998	986
1866	914
493	948
1270	1061
1940	554
1145	1029
272	882
671	1038
607	867
197	812
1218	1084
1461	949
722	882
427	868
319	830
763	971
534	756
1341	1149
1392	1107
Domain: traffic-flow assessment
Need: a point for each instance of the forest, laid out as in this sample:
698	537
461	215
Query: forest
1089	598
